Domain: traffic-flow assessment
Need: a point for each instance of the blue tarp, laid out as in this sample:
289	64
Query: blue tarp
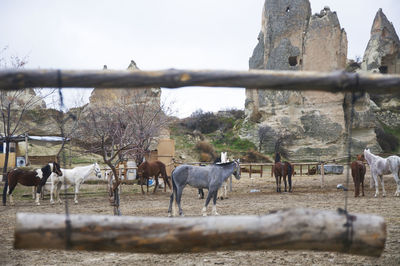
331	169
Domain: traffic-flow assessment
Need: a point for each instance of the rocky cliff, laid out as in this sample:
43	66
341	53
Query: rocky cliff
308	125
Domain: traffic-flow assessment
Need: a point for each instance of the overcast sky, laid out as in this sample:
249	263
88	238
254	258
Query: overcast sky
161	34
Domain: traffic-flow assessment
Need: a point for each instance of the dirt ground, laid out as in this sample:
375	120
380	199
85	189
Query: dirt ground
307	193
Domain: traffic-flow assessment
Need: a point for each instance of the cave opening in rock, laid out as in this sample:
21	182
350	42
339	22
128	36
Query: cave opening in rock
383	69
293	60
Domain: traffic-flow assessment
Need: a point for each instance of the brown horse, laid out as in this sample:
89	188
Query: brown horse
153	168
358	172
282	170
29	177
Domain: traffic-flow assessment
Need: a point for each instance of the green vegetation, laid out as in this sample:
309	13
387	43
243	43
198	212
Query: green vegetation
388	138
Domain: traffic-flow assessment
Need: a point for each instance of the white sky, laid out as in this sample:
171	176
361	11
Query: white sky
161	34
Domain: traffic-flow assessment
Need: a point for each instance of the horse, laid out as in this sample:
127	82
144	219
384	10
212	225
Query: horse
74	177
29	177
152	168
283	170
210	177
358	173
221	194
380	166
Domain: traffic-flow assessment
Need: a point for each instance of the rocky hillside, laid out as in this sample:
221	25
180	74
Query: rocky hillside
312	125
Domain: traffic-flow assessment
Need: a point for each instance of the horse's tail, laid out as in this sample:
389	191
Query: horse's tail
174	187
290	170
5	190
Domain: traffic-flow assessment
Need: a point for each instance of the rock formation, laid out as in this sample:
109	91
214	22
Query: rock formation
125	96
383	55
311	125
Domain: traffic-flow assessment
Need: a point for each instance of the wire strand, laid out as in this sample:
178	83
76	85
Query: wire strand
68	226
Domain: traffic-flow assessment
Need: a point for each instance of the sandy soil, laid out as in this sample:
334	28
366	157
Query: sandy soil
307	193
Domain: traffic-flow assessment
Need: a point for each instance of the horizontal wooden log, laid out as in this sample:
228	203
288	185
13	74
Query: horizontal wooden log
338	81
294	229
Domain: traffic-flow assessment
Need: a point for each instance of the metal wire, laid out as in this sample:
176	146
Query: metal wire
68	226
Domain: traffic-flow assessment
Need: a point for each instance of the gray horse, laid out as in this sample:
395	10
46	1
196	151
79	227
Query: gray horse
210	177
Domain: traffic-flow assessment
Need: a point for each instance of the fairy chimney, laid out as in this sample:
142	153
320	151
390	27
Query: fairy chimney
109	96
311	124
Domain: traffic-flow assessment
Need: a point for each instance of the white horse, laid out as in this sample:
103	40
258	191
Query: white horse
382	166
223	194
74	177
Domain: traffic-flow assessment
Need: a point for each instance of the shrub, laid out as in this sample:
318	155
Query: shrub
253	156
205	157
206	150
387	141
208	122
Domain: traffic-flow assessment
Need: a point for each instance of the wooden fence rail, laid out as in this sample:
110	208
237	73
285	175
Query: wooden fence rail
338	81
293	229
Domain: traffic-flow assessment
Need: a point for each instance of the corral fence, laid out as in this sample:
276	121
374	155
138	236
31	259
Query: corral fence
352	234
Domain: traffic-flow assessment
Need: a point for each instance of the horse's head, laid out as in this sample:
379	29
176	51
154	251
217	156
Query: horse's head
97	170
55	168
236	173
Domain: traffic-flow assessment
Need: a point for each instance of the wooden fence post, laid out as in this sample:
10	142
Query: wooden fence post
322	175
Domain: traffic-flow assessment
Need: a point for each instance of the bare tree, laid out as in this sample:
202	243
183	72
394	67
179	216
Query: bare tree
15	107
119	130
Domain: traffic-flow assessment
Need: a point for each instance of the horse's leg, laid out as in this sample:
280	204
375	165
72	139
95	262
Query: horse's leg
51	192
168	178
141	183
284	180
12	183
395	171
356	184
209	194
58	189
290	182
280	182
362	186
34	192
76	192
38	190
201	193
214	208
396	177
226	189
155	187
171	200
375	177
165	179
178	200
383	186
277	183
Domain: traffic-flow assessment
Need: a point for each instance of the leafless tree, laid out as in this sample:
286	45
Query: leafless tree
16	106
119	130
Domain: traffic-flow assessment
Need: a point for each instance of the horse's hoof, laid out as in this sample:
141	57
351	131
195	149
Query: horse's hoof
169	214
52	202
216	214
204	214
38	204
76	202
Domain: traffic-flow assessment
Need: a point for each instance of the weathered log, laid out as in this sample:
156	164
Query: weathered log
294	229
338	81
